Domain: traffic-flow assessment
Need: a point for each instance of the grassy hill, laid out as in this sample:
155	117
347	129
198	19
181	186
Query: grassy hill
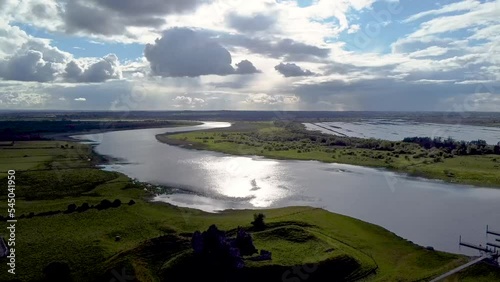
155	238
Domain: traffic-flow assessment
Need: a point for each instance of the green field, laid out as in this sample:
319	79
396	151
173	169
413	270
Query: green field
155	238
268	140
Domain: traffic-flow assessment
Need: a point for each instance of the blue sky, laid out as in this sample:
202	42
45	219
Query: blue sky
83	46
236	54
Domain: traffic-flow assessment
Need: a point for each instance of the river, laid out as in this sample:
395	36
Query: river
427	212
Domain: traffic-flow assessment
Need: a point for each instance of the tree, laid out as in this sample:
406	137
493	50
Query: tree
258	221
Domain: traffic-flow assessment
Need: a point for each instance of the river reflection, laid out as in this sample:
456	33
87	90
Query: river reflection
430	213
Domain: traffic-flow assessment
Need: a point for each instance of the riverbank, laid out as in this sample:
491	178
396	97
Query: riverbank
51	176
267	140
62	130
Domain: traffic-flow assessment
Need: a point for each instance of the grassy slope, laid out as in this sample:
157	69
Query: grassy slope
86	240
481	170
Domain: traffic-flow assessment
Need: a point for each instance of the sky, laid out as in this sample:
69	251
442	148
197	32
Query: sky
329	55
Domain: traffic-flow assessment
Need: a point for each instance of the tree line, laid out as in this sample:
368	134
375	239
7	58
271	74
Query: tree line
452	146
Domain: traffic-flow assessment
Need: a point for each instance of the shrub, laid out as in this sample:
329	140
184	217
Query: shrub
131	203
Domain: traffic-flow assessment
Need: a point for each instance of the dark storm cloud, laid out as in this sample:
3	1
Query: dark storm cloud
184	52
149	7
2	3
105	69
348	69
297	48
38	61
246	67
290	70
40	11
111	17
258	22
78	17
73	72
287	49
381	93
28	66
35	60
146	22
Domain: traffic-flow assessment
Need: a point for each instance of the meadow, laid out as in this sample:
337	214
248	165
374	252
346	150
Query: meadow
280	141
54	177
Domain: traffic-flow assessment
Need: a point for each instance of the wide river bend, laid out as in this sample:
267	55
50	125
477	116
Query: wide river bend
427	212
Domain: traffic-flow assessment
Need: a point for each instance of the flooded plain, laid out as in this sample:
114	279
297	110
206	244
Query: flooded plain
397	130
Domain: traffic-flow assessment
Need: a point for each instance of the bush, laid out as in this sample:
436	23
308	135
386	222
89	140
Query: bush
57	271
131	203
258	221
104	204
71	208
49	213
116	203
83	207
